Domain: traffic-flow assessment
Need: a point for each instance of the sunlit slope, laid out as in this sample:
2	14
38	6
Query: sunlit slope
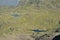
24	20
26	17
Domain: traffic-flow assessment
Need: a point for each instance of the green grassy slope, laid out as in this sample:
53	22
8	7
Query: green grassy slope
29	18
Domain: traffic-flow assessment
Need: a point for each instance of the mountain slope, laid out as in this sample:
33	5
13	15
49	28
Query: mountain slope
51	4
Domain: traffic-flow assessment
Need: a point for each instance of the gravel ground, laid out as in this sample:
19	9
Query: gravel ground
28	37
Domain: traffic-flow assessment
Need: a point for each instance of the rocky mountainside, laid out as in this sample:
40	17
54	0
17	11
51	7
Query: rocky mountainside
52	4
45	4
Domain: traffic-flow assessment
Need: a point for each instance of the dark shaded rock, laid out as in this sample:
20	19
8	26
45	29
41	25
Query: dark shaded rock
57	30
59	22
11	29
56	37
